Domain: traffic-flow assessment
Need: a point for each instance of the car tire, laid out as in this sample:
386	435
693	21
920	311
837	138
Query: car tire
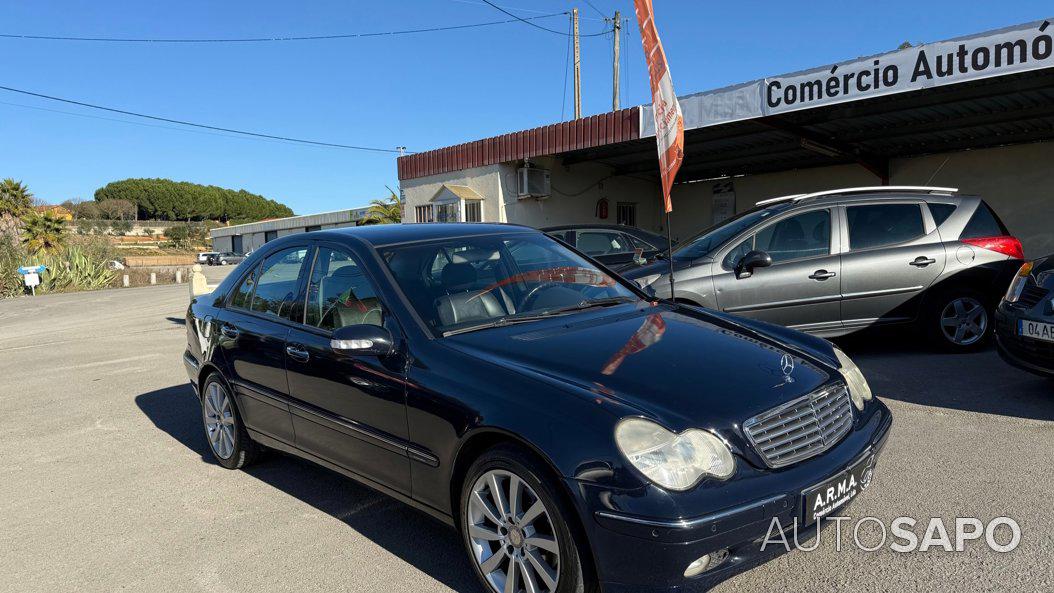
228	440
517	530
958	320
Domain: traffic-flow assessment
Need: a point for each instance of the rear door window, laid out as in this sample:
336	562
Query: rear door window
805	235
877	225
984	223
241	298
276	286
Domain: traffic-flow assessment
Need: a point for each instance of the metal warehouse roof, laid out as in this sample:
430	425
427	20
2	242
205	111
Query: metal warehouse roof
904	106
292	222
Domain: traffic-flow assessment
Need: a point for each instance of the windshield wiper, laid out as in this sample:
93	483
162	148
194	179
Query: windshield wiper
499	322
590	303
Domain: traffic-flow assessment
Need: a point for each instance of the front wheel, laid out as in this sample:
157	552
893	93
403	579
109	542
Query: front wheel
958	321
515	527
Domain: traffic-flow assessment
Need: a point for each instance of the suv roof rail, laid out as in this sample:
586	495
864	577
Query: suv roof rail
858	190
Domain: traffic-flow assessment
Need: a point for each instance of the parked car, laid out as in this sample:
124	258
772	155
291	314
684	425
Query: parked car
573	429
1024	320
225	259
835	262
203	257
609	244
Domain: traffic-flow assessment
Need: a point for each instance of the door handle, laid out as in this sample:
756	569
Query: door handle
297	352
229	331
822	275
922	261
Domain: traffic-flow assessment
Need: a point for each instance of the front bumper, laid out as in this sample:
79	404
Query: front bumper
1027	354
650	554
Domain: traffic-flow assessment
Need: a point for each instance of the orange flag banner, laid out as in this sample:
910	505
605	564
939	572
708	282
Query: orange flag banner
669	123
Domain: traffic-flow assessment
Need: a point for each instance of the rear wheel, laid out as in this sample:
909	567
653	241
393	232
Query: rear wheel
229	442
959	321
515	527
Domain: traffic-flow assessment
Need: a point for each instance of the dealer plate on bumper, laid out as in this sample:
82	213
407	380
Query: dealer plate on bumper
1035	330
825	498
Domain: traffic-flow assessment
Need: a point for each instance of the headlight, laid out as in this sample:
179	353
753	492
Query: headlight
646	281
1018	285
673	461
859	391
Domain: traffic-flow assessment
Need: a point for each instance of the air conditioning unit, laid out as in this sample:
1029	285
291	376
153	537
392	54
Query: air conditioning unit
532	182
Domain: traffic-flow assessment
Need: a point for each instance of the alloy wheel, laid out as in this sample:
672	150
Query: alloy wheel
964	321
512	537
219	420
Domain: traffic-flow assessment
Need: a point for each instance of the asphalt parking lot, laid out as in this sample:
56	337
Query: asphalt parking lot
106	483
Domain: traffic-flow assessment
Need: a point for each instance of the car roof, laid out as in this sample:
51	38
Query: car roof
379	235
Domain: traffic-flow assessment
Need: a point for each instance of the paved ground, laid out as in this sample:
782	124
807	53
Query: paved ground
105	483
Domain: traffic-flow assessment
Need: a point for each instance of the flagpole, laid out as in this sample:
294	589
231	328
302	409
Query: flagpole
669	251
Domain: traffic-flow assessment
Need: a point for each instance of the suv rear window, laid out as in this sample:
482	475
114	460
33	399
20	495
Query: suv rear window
877	225
984	223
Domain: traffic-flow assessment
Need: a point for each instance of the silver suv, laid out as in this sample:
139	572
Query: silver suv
834	262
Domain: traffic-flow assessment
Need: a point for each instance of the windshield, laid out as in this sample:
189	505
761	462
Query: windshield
473	282
709	240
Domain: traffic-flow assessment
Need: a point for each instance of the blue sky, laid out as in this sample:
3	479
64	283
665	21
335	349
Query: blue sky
420	91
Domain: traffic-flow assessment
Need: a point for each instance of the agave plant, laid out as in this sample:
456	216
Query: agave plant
74	269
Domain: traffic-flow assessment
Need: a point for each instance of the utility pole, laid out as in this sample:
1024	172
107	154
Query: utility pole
578	67
617	29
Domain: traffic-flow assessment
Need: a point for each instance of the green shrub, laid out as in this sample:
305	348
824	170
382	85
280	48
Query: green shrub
12	256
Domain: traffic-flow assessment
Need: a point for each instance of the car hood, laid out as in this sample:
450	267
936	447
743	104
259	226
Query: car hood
680	365
633	270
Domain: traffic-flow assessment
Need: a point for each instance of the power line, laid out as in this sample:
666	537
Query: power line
537	26
196	125
286	38
595	9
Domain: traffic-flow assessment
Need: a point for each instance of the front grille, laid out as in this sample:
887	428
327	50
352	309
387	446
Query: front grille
1032	295
803	428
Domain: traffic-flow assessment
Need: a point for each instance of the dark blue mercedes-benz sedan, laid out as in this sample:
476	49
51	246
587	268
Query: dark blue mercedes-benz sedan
578	433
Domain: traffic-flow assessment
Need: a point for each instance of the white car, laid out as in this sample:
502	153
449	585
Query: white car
203	257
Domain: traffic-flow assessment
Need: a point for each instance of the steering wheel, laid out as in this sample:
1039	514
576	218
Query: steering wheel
532	294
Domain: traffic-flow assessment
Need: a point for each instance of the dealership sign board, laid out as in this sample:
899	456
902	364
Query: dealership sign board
995	53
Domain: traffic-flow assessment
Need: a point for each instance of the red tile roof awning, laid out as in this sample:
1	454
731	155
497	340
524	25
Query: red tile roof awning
579	134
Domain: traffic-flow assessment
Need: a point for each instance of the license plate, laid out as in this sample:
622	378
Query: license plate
823	499
1035	330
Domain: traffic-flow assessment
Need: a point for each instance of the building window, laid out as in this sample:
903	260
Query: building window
447	212
270	236
424	214
312	228
473	211
626	213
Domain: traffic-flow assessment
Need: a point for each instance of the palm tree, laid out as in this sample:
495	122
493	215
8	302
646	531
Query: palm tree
15	197
43	232
388	211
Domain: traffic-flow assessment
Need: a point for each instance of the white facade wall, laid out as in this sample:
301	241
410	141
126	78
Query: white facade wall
1018	181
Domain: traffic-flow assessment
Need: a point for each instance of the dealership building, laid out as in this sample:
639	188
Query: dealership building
976	113
243	238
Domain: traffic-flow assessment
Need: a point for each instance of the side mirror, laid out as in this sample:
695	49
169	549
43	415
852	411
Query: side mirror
752	260
362	340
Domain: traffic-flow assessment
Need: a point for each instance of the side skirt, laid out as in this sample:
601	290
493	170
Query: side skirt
290	449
